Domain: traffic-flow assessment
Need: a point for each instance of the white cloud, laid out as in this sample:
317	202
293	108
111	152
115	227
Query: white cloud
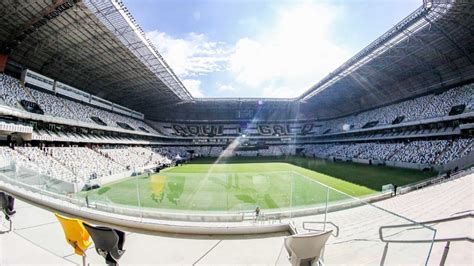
194	87
192	55
284	61
225	88
296	53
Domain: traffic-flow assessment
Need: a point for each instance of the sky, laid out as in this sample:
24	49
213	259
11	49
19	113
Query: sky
244	48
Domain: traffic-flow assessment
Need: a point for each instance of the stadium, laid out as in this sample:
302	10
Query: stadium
106	157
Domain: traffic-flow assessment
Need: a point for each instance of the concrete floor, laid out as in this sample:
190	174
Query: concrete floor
38	239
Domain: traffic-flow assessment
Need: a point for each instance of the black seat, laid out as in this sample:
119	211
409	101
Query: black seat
108	242
7	206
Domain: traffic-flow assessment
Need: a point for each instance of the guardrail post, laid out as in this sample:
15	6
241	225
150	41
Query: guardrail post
326	210
445	253
84	260
384	255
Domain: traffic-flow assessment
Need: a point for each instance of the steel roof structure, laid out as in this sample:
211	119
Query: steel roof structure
97	46
432	48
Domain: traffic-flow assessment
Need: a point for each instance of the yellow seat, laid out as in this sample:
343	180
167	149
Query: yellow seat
76	234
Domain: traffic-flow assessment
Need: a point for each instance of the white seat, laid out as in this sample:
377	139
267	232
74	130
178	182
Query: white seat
306	249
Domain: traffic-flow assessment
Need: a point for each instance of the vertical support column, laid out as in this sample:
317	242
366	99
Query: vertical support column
3	62
84	260
445	254
326	210
384	255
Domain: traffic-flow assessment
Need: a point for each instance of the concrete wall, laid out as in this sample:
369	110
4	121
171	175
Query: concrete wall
416	166
112	178
381	162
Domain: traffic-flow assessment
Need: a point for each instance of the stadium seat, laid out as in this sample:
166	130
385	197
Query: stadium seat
7	205
108	242
76	235
306	249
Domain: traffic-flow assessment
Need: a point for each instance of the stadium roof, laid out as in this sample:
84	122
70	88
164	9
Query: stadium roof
93	45
97	46
431	48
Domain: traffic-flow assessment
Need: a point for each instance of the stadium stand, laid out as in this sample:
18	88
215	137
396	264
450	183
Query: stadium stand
53	105
379	151
429	106
52	166
132	157
81	137
418	151
12	92
420	108
171	152
82	164
430	152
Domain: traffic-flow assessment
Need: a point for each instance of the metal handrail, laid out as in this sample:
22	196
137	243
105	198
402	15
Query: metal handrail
331	223
449	219
447	240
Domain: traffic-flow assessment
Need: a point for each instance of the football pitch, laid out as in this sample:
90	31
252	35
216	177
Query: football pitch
241	184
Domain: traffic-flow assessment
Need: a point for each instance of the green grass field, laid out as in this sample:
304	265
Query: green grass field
241	184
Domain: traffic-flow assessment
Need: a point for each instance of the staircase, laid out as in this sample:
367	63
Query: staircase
467	147
27	92
446	149
395	152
